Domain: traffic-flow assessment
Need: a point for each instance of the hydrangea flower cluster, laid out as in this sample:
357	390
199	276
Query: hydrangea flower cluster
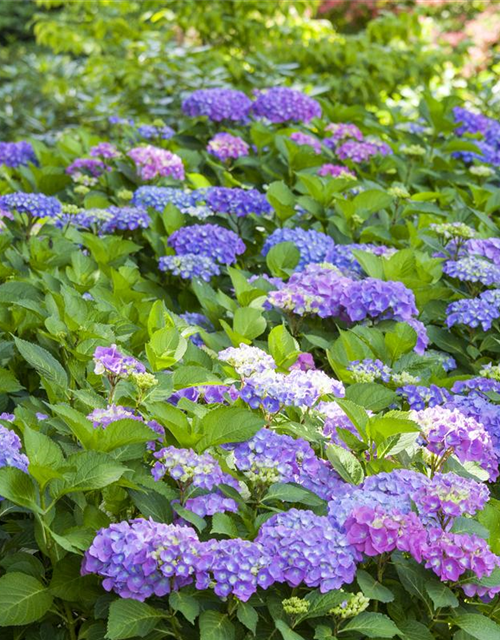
190	266
473	312
210	504
104	150
475	405
336	171
308	549
225	146
104	417
342	131
152	162
269	457
247	360
110	219
362	151
480	384
453	230
335	418
210	240
218	105
35	205
313	246
473	269
448	431
17	154
150	131
282	104
93	167
486	247
272	390
369	370
470	122
200	320
356	604
142	558
111	362
306	139
342	256
419	397
239	202
159	197
10	450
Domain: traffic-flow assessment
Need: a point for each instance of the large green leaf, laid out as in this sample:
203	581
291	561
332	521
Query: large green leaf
478	626
216	626
228	424
372	625
23	600
18	487
131	619
43	362
345	464
92	470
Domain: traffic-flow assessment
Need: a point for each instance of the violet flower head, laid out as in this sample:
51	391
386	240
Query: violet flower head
189	266
420	397
247	360
17	154
362	151
110	361
141	558
102	418
304	362
472	312
369	370
218	105
90	166
10	451
313	245
210	240
159	197
342	131
153	162
282	104
308	549
125	218
104	150
335	171
225	146
473	269
149	131
305	139
236	201
35	205
211	503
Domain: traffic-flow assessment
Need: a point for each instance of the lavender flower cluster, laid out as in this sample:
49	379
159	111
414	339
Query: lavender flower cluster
218	105
473	312
111	362
153	162
35	205
10	450
225	146
17	154
281	104
489	146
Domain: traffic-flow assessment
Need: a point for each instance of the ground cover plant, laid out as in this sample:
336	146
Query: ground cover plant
249	380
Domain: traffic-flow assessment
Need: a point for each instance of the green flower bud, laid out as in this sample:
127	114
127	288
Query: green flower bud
144	380
399	192
354	605
295	606
481	170
412	150
125	194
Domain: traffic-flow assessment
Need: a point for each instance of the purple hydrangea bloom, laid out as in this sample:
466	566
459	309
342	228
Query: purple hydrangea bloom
446	431
485	247
104	150
240	202
341	131
125	218
309	549
335	171
35	205
104	417
236	567
472	312
218	393
91	166
369	370
148	131
362	151
191	469
473	269
313	246
110	361
209	240
304	362
420	397
210	504
282	104
478	123
476	406
189	266
190	393
8	417
306	139
270	457
152	162
200	320
16	154
218	105
10	450
479	384
142	558
159	197
247	360
225	146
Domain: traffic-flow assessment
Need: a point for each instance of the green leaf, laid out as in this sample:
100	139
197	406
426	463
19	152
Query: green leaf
321	603
152	505
282	259
286	632
249	322
292	493
372	200
478	626
413	630
131	619
247	615
400	340
8	382
489	517
281	199
372	625
282	346
18	487
373	589
23	600
223	524
440	594
122	433
187	605
43	362
370	395
93	470
228	424
165	348
67	583
216	626
80	425
345	464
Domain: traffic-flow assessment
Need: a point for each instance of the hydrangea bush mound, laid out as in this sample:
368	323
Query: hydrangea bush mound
249	379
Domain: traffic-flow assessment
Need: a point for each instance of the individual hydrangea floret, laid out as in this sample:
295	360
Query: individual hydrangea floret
141	558
308	549
305	139
10	451
35	205
17	154
282	104
269	457
448	431
236	567
189	266
225	146
153	162
210	240
336	171
210	504
247	360
236	201
218	105
111	362
313	245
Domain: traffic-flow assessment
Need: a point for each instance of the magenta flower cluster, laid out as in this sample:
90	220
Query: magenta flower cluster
225	146
153	162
